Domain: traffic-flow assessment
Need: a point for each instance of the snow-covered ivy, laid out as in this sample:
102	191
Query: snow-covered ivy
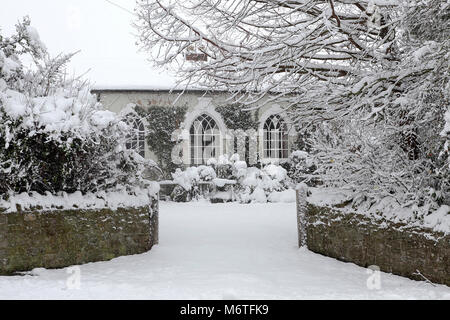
162	122
237	118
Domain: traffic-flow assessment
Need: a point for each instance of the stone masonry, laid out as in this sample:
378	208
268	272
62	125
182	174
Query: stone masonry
61	238
414	252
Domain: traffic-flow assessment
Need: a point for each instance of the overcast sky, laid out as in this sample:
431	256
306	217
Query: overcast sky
102	32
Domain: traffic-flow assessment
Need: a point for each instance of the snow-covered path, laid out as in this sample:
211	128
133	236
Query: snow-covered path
221	251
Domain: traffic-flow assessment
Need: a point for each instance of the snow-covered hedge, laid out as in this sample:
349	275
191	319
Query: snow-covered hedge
385	209
54	135
251	184
63	201
301	167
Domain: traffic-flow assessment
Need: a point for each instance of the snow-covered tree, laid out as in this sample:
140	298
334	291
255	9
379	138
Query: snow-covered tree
388	136
266	46
370	76
54	135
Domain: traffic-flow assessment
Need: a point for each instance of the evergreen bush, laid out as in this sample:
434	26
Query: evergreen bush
54	135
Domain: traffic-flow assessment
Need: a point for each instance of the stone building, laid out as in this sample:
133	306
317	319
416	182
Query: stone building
205	132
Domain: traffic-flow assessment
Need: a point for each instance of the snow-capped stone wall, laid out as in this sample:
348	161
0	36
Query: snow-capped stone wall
60	238
416	252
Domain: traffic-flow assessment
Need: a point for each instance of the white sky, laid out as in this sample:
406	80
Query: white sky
99	29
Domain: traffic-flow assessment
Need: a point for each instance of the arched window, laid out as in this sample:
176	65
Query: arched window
136	139
205	140
275	138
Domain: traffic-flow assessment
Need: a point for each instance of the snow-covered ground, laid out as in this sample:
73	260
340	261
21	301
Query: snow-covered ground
228	251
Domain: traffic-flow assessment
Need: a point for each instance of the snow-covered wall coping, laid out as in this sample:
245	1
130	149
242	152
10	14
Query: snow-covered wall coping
438	220
63	201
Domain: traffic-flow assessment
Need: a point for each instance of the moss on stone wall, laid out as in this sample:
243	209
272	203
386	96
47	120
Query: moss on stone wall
57	239
395	248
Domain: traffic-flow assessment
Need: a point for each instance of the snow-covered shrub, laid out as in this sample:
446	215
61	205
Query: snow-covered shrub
206	173
186	179
223	167
301	167
187	185
258	185
252	184
370	160
188	182
54	135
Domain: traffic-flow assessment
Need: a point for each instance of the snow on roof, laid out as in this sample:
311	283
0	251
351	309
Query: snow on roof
148	88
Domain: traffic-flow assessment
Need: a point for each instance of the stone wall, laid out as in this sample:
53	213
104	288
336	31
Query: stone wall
61	238
395	248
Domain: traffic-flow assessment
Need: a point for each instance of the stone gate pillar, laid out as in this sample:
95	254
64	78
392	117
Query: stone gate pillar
302	194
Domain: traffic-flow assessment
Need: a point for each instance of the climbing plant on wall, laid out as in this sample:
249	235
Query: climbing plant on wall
162	122
241	121
236	117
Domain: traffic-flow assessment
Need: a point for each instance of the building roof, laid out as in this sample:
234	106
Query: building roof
153	88
164	89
